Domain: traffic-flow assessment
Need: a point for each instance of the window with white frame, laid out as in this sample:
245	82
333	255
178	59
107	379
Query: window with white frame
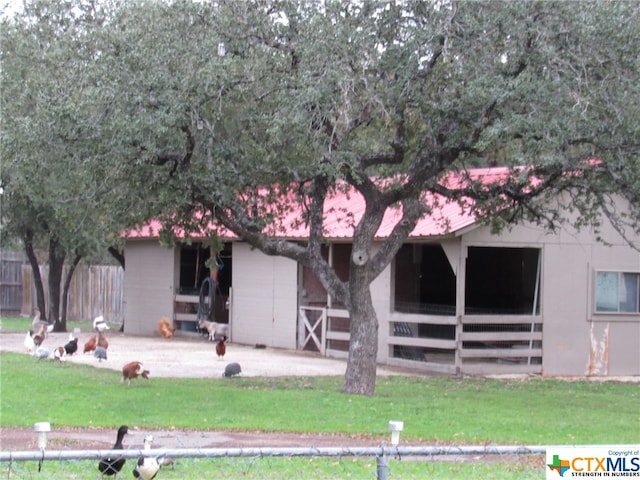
617	292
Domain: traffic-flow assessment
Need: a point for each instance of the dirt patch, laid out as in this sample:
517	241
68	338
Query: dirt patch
22	439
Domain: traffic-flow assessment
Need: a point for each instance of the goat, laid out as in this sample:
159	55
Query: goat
215	329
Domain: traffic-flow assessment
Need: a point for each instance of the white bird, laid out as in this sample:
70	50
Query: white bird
147	467
29	343
99	324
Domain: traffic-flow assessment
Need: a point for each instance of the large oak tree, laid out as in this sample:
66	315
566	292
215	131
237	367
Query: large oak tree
226	108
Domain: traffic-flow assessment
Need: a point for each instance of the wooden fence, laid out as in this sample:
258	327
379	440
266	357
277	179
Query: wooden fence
94	290
11	283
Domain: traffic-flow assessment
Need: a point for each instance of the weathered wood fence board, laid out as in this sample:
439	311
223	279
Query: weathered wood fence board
94	290
11	282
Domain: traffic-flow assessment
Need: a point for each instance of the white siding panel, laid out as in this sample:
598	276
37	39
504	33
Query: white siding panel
148	286
264	298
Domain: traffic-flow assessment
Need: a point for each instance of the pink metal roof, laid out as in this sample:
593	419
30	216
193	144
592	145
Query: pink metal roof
343	209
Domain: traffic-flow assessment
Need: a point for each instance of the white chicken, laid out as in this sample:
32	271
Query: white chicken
29	343
99	324
147	467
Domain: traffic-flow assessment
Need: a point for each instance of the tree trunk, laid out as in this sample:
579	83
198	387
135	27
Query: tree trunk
360	377
65	293
35	269
56	265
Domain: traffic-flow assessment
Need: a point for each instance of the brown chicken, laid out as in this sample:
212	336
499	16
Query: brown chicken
90	345
102	341
221	348
165	328
133	370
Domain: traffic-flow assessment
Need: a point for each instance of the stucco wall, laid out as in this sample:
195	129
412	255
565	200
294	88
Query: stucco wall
264	308
148	286
575	340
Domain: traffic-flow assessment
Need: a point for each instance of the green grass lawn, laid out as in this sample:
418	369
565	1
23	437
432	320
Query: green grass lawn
440	409
435	410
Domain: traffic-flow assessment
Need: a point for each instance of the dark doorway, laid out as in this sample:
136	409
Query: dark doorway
502	281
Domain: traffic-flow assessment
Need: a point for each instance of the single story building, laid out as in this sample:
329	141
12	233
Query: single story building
457	298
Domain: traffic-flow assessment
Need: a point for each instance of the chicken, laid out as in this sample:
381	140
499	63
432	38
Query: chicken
221	349
40	328
113	465
99	325
90	345
71	346
29	343
100	353
147	467
102	341
232	370
133	370
59	354
165	328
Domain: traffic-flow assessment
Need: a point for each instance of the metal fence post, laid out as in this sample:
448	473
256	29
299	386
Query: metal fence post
382	464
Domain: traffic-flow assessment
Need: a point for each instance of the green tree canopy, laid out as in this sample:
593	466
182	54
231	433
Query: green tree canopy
207	104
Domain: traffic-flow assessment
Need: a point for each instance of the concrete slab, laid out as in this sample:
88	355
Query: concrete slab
189	356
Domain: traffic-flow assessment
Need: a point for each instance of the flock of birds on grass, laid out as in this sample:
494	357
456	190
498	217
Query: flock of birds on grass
147	466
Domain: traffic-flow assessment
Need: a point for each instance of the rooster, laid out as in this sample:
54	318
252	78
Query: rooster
133	370
165	328
90	345
221	349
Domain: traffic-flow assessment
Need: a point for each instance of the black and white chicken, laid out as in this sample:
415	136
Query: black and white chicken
71	346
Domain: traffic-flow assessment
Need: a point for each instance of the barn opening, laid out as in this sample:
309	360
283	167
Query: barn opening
502	281
502	322
193	271
424	284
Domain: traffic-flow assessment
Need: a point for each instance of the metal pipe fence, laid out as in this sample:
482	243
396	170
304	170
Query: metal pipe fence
382	454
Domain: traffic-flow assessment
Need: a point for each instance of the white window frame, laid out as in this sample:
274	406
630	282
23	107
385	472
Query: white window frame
619	273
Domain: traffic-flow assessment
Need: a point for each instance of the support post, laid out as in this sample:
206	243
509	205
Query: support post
382	464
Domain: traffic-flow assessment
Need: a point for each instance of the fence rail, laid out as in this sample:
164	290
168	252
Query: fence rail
414	451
